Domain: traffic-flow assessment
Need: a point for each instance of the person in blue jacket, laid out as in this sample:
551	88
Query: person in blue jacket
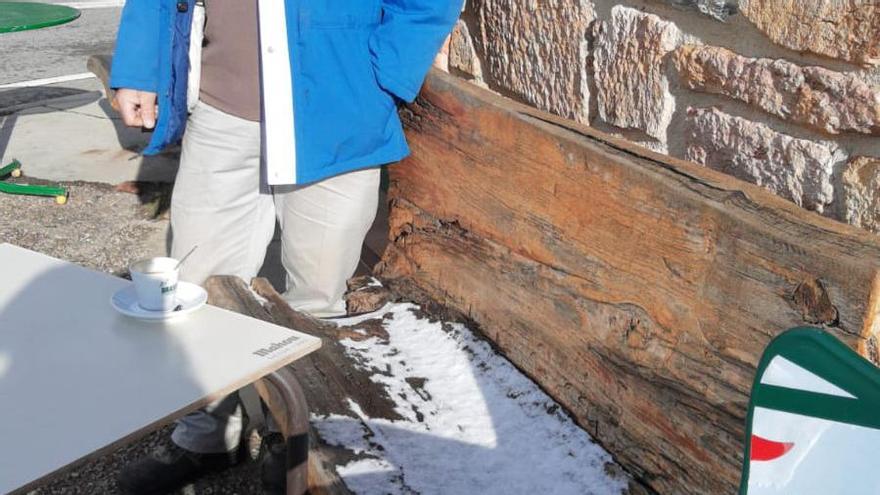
289	108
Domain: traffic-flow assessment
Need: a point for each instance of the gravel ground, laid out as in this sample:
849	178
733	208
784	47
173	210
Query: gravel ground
99	227
105	229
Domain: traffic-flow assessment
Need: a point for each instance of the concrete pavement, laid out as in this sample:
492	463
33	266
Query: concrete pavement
67	131
78	137
60	50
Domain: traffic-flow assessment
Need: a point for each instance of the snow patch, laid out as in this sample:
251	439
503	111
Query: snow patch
473	422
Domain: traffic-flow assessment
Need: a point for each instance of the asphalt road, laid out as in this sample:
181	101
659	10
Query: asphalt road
61	50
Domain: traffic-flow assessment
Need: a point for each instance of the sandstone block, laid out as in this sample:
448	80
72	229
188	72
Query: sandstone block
861	193
462	54
538	51
632	91
844	29
823	99
796	169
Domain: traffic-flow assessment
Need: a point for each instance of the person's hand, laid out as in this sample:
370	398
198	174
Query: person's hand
137	108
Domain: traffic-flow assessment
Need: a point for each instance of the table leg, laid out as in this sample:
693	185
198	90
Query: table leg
284	397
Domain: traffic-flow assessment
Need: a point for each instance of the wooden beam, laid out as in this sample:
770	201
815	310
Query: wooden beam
638	290
328	378
100	65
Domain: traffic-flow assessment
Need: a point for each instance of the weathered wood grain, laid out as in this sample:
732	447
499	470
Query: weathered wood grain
638	290
365	297
100	65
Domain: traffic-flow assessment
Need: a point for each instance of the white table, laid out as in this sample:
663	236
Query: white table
78	379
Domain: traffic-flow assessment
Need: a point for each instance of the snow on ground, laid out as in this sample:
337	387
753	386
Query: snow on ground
474	423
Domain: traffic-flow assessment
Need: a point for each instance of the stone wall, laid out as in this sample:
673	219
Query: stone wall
781	93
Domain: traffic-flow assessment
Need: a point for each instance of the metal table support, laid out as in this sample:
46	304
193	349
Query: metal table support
284	397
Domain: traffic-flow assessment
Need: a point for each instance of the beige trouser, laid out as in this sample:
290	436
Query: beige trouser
221	205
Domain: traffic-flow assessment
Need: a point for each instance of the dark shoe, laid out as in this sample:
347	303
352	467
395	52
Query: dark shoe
273	465
169	468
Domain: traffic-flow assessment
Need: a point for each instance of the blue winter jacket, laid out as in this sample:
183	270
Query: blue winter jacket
342	64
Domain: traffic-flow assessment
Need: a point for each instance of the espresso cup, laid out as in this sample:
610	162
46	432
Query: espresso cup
155	281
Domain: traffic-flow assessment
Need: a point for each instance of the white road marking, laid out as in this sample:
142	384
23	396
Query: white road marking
47	81
102	4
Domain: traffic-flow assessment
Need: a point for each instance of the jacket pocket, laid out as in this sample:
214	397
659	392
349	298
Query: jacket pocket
347	112
341	14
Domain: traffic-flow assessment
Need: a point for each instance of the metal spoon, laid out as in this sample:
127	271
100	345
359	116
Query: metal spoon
180	306
185	257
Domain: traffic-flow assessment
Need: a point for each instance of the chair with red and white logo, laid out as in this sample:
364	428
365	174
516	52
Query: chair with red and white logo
813	424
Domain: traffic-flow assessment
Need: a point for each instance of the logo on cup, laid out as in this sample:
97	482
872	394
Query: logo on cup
155	280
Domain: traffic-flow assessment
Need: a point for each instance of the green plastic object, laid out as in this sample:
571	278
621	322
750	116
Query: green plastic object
9	169
24	16
32	190
813	424
59	193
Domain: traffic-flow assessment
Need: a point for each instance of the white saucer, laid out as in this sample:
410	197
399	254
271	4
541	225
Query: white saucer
190	297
